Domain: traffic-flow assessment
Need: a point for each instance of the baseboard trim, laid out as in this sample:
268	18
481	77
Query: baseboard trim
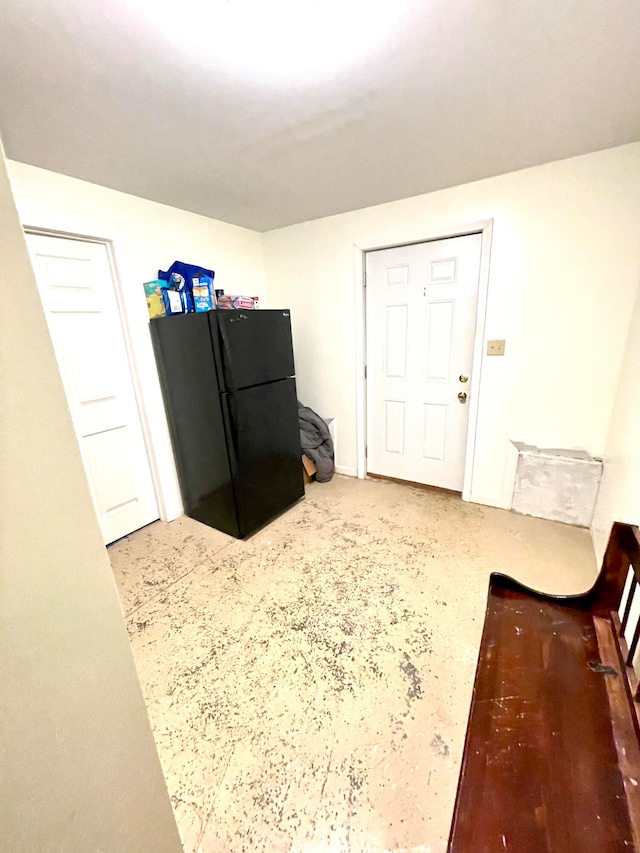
486	500
346	470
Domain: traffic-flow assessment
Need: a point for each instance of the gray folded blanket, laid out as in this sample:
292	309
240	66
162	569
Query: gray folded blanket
316	442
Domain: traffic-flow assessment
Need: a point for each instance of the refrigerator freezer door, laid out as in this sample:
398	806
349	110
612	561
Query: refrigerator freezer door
263	438
252	347
185	362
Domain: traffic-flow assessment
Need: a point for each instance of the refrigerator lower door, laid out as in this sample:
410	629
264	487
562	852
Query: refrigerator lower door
263	441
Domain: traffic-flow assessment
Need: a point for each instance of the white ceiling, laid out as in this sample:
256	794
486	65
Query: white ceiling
437	93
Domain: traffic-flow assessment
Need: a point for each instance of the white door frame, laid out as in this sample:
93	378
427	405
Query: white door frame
485	228
114	253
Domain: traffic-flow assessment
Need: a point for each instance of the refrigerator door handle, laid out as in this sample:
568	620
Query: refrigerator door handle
217	345
230	417
226	369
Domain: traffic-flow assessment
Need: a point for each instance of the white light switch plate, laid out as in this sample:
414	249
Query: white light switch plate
495	347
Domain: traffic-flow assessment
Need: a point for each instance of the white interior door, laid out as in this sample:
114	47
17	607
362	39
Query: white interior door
78	293
421	305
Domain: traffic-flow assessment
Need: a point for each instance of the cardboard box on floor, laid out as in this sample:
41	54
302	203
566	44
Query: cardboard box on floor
308	469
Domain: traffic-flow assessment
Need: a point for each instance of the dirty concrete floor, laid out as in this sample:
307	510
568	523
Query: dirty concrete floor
309	688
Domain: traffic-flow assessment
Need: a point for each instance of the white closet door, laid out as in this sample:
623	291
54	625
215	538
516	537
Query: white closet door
78	292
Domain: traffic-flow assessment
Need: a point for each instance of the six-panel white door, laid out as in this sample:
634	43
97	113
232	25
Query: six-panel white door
421	315
76	284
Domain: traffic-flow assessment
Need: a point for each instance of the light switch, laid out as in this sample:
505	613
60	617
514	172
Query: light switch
495	347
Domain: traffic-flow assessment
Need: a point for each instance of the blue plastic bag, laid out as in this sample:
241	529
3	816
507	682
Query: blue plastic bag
189	273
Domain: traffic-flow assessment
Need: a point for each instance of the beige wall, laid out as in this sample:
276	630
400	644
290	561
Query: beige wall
147	236
565	265
79	765
619	497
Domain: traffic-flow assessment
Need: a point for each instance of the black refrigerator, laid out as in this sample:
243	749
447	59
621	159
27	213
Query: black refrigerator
230	394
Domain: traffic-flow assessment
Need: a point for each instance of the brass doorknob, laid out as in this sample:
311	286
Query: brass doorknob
463	377
462	397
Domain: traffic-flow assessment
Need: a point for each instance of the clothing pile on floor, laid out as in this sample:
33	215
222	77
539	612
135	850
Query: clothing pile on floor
316	442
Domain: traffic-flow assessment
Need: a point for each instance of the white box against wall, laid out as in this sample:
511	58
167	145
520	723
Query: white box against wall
560	485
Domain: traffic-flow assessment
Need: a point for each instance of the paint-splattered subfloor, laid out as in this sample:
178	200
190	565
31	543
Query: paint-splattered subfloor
309	688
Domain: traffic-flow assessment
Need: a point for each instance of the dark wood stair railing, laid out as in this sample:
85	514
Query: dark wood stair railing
551	762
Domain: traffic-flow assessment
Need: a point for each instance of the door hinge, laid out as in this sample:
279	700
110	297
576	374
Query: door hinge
365	371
